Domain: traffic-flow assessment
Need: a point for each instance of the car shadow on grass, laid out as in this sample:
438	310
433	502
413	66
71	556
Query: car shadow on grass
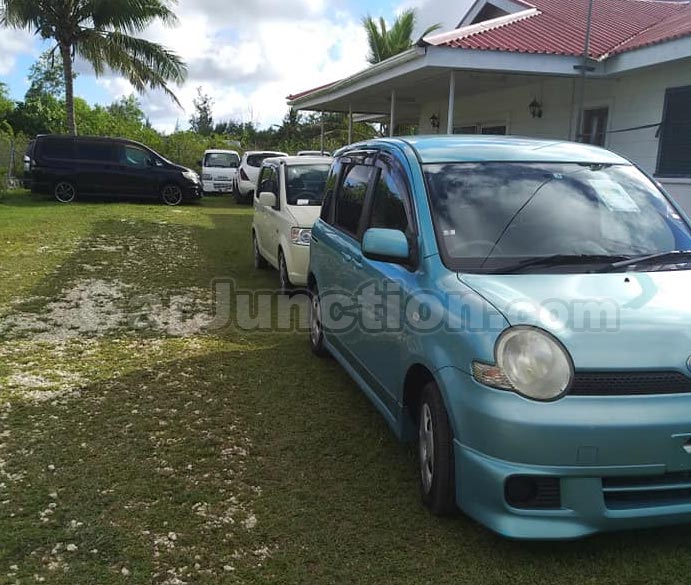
257	417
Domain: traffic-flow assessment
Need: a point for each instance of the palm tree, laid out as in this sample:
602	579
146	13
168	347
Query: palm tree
100	32
385	43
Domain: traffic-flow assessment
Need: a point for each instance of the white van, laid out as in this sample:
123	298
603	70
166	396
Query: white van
288	201
219	168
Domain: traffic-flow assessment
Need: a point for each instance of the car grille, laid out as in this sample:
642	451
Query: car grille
629	383
646	491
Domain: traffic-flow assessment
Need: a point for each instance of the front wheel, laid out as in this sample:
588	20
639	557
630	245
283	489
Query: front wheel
64	191
435	453
260	262
317	344
171	195
284	275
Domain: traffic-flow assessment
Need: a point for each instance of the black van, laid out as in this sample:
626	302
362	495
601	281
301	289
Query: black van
67	167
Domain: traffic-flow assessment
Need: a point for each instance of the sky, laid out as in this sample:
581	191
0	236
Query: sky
248	55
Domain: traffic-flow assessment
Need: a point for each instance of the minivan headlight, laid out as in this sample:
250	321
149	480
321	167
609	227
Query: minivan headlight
531	362
301	236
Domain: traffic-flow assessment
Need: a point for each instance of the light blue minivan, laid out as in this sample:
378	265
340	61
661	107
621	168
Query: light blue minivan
520	308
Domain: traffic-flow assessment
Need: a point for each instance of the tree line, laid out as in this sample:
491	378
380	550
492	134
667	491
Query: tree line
104	35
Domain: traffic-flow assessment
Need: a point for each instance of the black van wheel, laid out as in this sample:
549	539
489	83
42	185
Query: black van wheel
171	195
64	191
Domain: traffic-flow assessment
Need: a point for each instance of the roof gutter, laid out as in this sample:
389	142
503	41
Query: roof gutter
391	63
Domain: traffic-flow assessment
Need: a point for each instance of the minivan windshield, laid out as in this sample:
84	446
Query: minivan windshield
498	217
305	184
222	160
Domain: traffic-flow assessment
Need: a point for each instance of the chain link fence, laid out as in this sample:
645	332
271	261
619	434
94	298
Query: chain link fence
12	150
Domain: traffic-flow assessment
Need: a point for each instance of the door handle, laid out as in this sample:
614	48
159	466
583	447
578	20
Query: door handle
346	257
357	262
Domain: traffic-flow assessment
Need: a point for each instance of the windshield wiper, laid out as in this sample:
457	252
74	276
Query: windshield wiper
560	260
668	257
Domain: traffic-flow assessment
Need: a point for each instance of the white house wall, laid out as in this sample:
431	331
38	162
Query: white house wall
635	99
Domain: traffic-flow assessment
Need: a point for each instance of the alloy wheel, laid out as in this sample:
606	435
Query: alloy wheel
65	192
426	446
315	320
172	195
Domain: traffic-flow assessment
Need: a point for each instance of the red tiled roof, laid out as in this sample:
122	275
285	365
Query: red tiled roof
559	26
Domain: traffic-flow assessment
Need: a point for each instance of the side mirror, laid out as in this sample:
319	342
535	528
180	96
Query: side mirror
386	245
267	199
150	162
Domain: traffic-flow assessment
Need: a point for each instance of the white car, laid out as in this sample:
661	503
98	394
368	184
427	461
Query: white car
313	153
289	195
248	173
219	168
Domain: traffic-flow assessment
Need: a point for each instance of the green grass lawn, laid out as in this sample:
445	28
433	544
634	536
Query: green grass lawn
132	451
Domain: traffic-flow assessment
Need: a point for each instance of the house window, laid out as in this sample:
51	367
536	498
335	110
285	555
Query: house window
674	159
496	129
595	126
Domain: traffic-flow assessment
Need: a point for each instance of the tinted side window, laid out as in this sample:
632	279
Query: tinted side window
350	200
330	191
135	157
57	148
95	151
268	183
388	207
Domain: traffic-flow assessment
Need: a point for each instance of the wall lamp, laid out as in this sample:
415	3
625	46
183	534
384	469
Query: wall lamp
535	108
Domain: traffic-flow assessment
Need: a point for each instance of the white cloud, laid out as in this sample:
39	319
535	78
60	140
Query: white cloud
251	57
448	13
14	43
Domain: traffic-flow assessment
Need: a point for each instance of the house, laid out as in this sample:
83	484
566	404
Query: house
537	68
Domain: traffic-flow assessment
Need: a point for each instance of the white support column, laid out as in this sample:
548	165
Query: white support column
392	123
350	123
322	133
452	102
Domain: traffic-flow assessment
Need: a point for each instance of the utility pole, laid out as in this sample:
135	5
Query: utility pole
584	71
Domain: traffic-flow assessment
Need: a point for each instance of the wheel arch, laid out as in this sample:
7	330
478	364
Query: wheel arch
417	377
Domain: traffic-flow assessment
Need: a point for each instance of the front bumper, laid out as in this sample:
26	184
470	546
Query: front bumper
192	191
298	261
620	462
217	186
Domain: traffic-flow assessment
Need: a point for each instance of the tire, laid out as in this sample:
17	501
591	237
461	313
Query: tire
283	275
171	195
317	343
435	454
236	193
260	262
64	191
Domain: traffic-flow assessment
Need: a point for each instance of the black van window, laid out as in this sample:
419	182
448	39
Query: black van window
350	200
95	151
136	157
57	148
